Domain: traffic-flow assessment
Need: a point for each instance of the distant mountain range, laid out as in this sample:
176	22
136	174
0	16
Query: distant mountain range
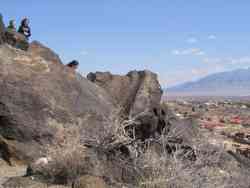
233	83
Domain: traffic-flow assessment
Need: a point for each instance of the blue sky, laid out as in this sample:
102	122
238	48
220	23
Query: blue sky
178	39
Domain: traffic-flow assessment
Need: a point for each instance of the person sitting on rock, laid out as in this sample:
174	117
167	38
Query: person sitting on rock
73	64
10	35
12	25
24	28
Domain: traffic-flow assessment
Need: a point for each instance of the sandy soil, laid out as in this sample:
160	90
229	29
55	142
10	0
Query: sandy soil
7	171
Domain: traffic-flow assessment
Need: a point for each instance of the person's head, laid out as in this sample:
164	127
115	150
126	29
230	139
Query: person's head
25	22
12	23
73	64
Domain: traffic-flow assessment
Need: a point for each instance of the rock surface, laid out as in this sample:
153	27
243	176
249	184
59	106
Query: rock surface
39	96
136	92
38	49
139	95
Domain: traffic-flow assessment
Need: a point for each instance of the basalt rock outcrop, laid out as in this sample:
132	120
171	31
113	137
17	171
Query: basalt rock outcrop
38	49
38	95
139	95
136	92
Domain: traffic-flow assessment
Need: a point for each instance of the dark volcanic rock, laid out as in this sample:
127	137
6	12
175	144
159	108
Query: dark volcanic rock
39	97
38	49
136	92
36	99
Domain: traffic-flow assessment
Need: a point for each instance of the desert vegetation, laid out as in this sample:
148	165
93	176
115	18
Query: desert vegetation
66	160
156	162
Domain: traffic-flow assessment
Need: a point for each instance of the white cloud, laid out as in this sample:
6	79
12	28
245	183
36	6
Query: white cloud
189	51
84	52
197	71
192	40
229	60
242	60
212	37
176	52
212	60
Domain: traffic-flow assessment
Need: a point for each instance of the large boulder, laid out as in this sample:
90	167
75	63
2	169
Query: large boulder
2	30
38	49
139	95
38	96
136	92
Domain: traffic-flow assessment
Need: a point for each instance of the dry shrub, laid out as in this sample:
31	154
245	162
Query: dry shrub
114	128
113	133
153	169
161	170
213	167
66	157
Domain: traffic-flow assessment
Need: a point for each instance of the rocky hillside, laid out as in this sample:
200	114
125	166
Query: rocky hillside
102	131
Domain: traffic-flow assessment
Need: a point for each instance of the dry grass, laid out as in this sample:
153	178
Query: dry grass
161	170
66	159
210	169
114	133
153	169
67	156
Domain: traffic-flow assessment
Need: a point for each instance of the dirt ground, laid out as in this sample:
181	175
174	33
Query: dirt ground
7	171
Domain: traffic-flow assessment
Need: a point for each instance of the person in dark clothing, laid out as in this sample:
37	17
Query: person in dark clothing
24	28
12	25
73	64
